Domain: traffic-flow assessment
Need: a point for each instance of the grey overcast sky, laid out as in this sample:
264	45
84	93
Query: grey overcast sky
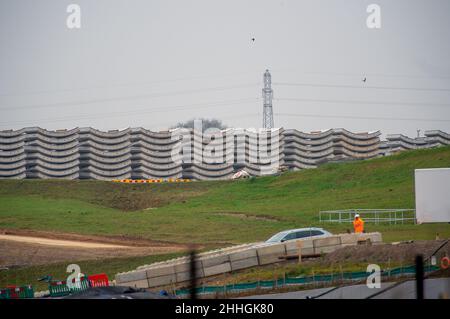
155	63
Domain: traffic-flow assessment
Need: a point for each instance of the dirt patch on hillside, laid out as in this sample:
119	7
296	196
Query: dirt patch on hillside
58	242
129	201
125	197
20	248
19	254
118	240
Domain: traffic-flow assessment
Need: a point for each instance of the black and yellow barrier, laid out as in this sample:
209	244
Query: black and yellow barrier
146	181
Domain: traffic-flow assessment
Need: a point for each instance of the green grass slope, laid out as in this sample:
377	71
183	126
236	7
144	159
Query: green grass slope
227	211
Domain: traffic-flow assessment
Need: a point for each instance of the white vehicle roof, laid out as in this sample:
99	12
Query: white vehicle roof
301	229
278	236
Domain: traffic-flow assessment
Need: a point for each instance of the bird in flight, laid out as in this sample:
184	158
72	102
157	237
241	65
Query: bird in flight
253	39
364	80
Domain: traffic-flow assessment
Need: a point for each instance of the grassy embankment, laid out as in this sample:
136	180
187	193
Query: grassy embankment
223	212
216	213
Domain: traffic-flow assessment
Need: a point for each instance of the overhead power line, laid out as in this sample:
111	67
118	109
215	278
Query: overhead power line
345	86
135	112
127	98
125	85
362	102
361	74
362	117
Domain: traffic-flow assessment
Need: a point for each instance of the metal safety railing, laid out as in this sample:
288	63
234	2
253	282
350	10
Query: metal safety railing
377	216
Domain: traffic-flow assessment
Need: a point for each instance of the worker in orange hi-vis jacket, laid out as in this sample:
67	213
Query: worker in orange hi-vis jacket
358	224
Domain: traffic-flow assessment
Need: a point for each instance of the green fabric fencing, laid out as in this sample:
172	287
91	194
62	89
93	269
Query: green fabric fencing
60	288
4	294
22	292
323	278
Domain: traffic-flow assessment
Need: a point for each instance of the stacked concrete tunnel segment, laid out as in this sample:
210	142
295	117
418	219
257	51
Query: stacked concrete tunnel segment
137	153
307	150
37	153
397	142
104	155
154	155
12	154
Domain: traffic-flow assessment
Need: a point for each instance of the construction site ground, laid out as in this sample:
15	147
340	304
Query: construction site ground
19	248
27	255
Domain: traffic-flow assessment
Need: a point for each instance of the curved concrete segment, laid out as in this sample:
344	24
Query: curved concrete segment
138	153
12	154
398	142
307	150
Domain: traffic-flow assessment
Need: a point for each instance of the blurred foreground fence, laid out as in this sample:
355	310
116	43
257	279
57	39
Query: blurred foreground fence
316	279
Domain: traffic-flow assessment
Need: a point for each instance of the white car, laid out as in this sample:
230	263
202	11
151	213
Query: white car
297	234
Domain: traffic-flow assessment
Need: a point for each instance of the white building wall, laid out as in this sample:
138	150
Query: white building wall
432	195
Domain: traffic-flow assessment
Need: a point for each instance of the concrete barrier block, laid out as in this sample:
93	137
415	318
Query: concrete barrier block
374	237
186	275
131	276
305	251
186	266
308	251
244	254
200	272
215	260
293	244
271	249
162	280
306	243
327	241
183	276
218	269
349	239
119	278
160	271
292	247
270	254
269	259
244	263
136	284
326	249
